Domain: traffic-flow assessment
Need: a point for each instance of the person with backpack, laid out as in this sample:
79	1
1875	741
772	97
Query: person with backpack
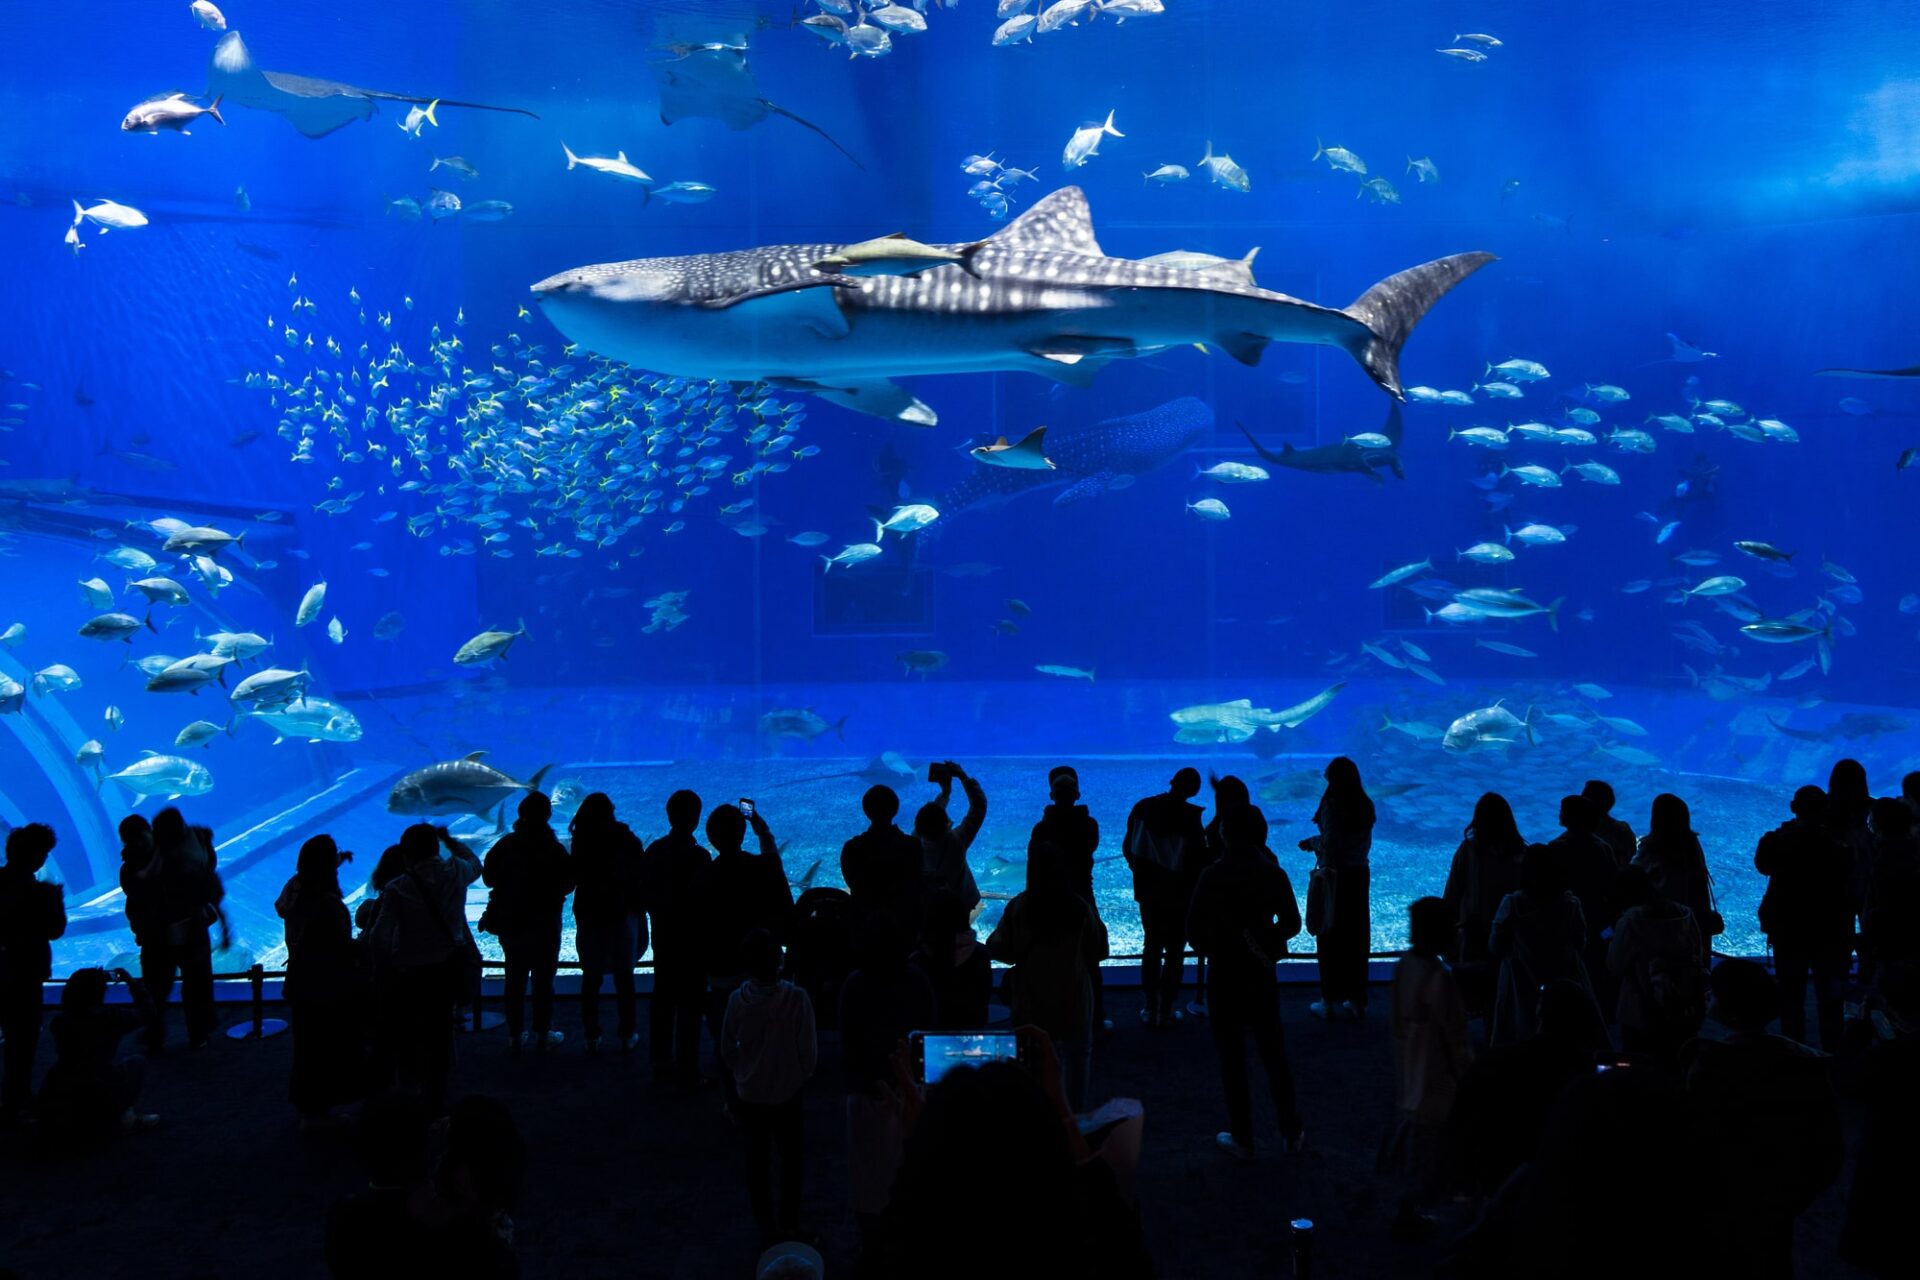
671	870
1055	943
530	873
1654	956
1165	846
1243	915
33	913
1807	914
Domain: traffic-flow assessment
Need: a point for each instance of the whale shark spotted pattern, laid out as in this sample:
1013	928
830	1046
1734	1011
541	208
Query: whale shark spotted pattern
1043	298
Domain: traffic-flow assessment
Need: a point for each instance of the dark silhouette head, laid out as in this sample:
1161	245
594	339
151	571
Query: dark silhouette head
683	812
1847	792
1670	818
169	827
1575	813
1810	802
419	843
1345	800
535	808
762	955
1600	795
1185	784
1493	823
1745	997
881	805
135	833
1063	784
85	991
1244	829
931	822
1910	788
726	828
28	847
1430	926
1541	874
1230	792
392	862
594	814
319	866
1343	774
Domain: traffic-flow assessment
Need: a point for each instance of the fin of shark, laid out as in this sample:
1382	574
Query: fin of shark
1393	307
809	301
1244	347
1061	222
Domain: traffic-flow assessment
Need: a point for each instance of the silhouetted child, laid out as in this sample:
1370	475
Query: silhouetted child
768	1043
1431	1054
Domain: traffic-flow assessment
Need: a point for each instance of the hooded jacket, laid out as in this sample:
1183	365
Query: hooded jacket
768	1041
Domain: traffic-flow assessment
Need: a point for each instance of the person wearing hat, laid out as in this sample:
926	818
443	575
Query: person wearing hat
1165	846
1067	826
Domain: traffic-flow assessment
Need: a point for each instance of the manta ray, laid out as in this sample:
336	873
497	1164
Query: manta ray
313	106
1091	459
1043	297
712	82
1343	457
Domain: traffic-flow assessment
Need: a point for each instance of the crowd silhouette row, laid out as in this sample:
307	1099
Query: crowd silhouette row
1587	963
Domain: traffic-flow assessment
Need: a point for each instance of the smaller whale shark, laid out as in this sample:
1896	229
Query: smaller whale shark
1347	456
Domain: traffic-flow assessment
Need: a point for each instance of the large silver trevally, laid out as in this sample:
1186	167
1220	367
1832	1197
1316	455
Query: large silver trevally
315	719
1491	728
1046	299
157	775
458	786
487	646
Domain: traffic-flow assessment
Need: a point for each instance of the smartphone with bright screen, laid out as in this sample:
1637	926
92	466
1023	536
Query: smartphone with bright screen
937	1052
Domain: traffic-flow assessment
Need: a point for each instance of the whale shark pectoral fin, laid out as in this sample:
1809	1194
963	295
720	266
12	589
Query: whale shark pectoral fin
1244	347
808	302
1089	487
877	396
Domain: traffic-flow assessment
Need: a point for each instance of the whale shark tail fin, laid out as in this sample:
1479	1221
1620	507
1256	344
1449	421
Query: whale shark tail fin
1393	307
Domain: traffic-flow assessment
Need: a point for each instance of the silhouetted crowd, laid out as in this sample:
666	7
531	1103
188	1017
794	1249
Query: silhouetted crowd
1581	1087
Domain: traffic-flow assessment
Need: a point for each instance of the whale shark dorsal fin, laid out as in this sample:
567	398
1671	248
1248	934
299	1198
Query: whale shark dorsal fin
1061	222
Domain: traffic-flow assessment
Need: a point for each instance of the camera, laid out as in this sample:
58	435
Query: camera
940	771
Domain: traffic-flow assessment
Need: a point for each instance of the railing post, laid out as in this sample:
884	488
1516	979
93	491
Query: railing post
259	1027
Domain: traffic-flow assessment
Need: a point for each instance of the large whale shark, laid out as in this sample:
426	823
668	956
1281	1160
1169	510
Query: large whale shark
1041	297
1090	459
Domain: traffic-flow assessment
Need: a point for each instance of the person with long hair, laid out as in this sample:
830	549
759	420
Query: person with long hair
325	985
610	927
1486	868
1340	915
1671	855
1538	936
1055	943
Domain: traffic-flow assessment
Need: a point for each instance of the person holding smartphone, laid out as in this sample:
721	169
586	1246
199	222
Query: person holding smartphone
943	846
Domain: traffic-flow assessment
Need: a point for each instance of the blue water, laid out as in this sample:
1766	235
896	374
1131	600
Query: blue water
1744	178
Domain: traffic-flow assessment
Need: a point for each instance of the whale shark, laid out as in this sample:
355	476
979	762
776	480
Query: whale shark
313	106
1346	456
1043	297
1092	458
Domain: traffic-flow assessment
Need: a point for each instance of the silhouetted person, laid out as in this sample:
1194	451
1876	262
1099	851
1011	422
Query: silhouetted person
1890	906
1165	848
1587	865
1243	916
1654	957
956	967
882	865
1910	793
33	913
1768	1122
1485	869
1230	795
1431	1053
421	953
1878	1235
1671	856
739	893
141	889
997	1145
1599	796
1345	819
1807	915
485	1166
90	1090
943	845
610	923
1055	943
401	1227
1538	937
182	890
883	1000
768	1042
326	985
670	874
1066	824
1849	804
1508	1093
530	874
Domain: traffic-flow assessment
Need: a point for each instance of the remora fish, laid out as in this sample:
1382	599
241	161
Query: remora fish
458	786
1046	299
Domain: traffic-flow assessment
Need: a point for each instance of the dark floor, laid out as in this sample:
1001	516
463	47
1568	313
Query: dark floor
630	1181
